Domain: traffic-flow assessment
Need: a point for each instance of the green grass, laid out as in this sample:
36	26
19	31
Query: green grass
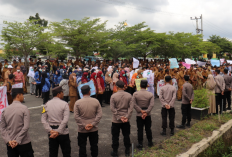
184	139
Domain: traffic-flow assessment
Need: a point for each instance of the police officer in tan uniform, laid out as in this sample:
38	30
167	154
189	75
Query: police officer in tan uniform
14	126
143	103
121	107
55	118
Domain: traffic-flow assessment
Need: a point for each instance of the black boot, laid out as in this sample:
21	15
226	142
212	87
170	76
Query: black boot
188	124
172	132
140	145
163	133
127	152
181	126
150	143
114	153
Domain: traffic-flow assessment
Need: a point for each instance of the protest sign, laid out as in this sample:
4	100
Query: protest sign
18	85
91	85
3	99
222	61
215	62
189	61
201	63
186	65
160	84
135	63
174	83
229	61
173	63
137	83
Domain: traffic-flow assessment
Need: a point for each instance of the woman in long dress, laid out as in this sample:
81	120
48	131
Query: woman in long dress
210	85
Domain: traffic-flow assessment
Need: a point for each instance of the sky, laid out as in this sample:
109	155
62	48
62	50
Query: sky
159	15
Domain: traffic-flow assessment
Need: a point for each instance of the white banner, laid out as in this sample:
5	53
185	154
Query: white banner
135	63
174	83
3	99
201	63
18	85
229	61
189	61
161	83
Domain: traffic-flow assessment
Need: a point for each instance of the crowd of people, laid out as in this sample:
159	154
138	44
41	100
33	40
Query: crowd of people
115	84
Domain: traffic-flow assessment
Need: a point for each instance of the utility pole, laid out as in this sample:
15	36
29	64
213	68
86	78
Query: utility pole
197	29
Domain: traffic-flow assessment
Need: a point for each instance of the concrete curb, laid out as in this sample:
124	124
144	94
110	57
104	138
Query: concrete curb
206	142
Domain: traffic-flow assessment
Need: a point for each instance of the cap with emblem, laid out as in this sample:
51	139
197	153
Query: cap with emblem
85	89
57	90
168	78
143	83
17	90
120	84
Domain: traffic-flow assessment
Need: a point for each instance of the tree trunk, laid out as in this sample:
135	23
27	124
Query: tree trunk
144	57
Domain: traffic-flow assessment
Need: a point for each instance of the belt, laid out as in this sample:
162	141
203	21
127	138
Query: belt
144	108
56	126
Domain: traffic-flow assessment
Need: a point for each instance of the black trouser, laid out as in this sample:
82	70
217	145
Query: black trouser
65	98
38	87
24	150
45	97
100	98
164	113
219	97
64	142
82	142
186	113
227	96
115	131
140	124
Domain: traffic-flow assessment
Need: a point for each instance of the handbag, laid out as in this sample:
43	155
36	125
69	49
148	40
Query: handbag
115	89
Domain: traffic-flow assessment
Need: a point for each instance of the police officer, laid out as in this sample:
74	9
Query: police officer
167	98
14	126
143	103
187	99
87	113
55	118
121	107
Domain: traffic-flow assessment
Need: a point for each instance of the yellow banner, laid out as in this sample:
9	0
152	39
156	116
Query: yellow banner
137	83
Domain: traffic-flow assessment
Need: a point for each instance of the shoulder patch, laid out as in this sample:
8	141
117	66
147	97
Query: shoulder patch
43	110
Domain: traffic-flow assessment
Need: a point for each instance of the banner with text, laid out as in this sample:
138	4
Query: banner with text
187	66
161	83
215	62
3	99
201	63
91	85
137	83
173	63
18	85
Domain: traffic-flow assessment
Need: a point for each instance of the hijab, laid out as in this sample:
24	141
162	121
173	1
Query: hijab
31	72
123	77
84	78
108	78
93	77
71	77
210	82
58	73
99	76
115	77
140	74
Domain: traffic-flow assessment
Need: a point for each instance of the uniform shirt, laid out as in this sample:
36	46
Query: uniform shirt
19	78
187	93
220	84
167	95
7	73
56	114
143	100
87	111
121	106
228	82
14	124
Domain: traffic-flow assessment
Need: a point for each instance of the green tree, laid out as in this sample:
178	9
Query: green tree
223	43
22	38
82	36
38	21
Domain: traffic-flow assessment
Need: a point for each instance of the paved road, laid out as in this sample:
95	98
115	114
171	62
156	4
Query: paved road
40	138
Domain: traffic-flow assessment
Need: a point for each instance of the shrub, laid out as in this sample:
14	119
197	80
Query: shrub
201	98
